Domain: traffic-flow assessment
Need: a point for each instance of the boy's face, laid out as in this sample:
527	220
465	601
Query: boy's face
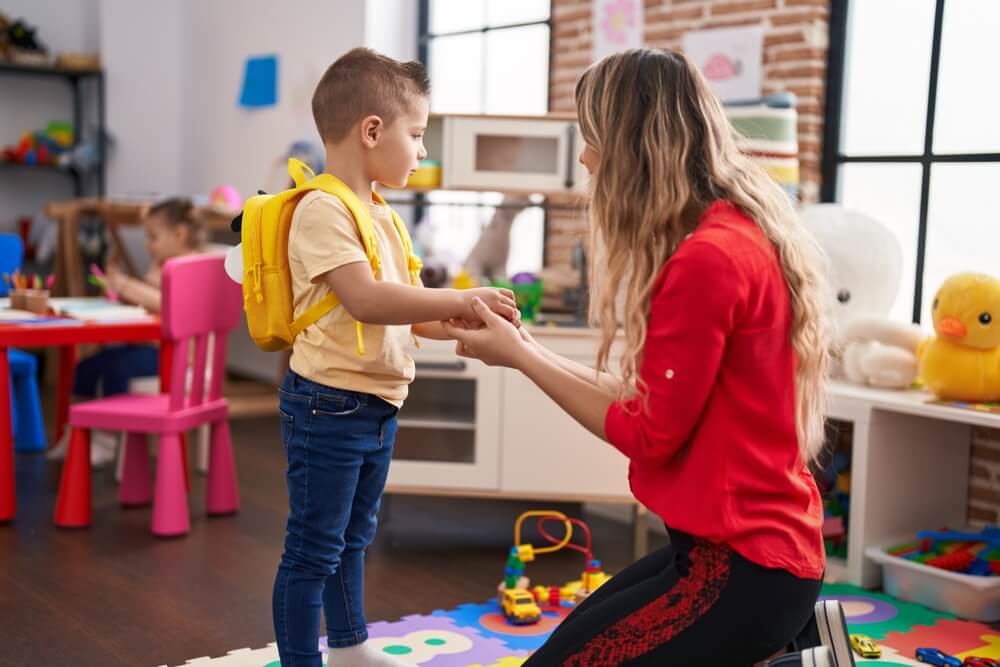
400	146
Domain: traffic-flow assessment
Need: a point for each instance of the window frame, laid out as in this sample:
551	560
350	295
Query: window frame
425	37
833	157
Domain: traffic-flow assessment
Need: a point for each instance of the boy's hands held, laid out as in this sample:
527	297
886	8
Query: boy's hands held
500	301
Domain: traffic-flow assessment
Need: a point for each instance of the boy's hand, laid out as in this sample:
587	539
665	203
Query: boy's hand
500	301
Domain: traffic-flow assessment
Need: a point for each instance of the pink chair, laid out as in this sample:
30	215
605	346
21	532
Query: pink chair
199	301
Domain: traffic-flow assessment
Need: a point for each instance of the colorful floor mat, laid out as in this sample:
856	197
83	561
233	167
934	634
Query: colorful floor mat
476	635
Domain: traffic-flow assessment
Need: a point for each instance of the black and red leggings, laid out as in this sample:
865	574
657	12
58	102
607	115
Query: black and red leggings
689	604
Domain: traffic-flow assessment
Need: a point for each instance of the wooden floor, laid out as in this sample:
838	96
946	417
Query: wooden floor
114	594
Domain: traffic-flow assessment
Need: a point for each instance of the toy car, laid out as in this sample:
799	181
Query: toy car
973	661
865	646
519	607
933	656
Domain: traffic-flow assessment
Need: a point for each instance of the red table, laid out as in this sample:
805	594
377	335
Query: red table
66	336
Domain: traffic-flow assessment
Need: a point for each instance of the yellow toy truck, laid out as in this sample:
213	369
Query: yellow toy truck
519	606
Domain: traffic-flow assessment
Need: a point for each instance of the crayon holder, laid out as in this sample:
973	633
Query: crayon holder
34	301
18	299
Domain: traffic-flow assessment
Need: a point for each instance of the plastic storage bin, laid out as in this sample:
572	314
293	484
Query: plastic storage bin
965	595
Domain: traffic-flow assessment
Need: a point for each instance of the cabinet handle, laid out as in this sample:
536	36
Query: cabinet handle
570	151
458	365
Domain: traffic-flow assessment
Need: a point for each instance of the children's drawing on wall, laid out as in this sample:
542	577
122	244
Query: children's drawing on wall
260	82
617	26
730	58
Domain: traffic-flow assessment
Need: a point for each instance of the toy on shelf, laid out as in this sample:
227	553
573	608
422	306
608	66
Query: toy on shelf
517	608
78	60
43	147
464	281
19	44
226	198
834	481
527	289
427	175
865	271
963	552
962	362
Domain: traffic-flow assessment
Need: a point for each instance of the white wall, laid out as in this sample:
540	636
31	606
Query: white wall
228	144
140	50
391	27
30	103
173	75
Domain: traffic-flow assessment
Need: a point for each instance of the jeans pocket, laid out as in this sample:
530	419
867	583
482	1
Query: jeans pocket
287	425
331	405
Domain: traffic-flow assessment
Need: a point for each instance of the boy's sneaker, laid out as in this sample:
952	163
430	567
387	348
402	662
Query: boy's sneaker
828	627
818	656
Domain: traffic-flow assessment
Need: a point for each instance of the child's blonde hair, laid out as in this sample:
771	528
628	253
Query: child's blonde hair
665	152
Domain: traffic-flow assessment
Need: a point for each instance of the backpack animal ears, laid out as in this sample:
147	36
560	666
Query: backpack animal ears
237	224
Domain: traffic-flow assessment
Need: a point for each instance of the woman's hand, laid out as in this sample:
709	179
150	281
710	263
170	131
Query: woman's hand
496	300
496	343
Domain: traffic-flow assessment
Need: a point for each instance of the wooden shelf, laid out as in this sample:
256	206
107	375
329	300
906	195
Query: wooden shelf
45	168
80	119
916	402
47	70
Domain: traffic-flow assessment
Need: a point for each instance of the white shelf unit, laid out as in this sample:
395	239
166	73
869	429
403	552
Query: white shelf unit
909	470
449	427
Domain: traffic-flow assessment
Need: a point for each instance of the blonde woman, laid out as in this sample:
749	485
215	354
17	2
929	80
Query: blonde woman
717	402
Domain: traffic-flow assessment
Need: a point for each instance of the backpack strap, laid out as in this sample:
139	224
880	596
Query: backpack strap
299	171
332	185
413	263
314	313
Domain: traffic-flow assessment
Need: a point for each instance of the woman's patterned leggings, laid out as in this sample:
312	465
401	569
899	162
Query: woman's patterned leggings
689	604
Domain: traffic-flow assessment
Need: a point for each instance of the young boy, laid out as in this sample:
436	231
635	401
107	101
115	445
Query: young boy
338	408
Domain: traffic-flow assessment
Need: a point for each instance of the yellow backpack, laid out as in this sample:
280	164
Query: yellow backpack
267	283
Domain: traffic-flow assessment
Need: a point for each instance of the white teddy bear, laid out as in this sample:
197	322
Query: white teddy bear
865	262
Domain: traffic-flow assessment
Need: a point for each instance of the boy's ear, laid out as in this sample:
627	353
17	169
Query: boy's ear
371	130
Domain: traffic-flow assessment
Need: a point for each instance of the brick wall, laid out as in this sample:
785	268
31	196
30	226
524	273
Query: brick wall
984	483
795	50
795	40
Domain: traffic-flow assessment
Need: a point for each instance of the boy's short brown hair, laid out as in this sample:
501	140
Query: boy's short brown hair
362	83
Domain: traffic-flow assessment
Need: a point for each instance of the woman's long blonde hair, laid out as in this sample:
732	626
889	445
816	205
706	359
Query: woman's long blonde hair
665	152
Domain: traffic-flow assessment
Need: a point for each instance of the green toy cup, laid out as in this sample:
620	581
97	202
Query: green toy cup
527	295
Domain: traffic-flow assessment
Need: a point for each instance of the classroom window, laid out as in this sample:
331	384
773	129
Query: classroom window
911	135
486	57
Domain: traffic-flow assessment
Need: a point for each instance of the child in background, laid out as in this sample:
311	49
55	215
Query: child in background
171	231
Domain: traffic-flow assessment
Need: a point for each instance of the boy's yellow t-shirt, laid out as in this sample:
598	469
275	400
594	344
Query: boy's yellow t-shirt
324	236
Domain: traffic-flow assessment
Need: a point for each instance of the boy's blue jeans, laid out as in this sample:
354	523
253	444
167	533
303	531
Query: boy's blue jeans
338	444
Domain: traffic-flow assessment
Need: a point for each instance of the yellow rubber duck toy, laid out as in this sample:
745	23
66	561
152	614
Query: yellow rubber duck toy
962	363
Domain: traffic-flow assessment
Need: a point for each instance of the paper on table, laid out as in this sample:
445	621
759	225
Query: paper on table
99	310
11	315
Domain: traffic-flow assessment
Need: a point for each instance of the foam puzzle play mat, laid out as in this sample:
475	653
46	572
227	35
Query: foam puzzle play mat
478	635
